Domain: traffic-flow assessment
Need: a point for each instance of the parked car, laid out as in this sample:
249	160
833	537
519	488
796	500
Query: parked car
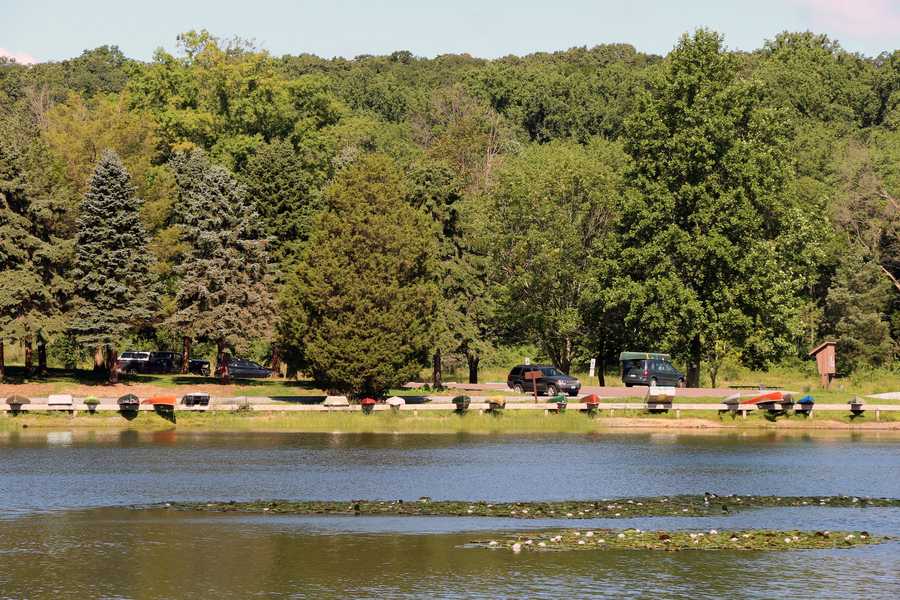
242	368
158	362
551	380
198	367
165	362
649	368
133	362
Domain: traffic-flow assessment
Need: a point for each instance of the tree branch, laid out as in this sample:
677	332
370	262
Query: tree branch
893	279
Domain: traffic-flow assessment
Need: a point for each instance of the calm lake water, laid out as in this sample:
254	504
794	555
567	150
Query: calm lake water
65	533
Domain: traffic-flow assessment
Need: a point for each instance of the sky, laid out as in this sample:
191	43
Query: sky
47	30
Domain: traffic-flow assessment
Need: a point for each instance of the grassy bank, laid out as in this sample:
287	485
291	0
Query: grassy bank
655	506
510	422
674	541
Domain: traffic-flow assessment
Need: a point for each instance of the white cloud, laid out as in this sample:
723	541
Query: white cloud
20	57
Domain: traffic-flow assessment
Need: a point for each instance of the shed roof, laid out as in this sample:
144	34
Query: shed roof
821	347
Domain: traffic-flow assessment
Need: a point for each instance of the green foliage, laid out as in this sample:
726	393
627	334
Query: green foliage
856	305
702	233
756	176
224	289
33	258
115	288
287	186
551	224
356	312
817	79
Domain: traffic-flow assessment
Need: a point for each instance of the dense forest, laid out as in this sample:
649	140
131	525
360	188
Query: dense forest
360	219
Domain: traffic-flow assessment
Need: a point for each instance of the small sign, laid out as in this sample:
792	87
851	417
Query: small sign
533	374
593	366
527	361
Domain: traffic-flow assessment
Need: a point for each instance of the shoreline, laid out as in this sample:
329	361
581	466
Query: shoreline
437	423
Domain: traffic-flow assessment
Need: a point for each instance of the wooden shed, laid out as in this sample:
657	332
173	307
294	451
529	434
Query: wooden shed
824	354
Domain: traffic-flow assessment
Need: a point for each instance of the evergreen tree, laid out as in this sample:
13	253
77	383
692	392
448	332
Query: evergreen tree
855	307
33	291
115	287
224	290
356	311
288	187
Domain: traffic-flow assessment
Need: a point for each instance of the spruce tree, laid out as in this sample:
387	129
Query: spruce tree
115	287
224	291
288	184
357	310
33	291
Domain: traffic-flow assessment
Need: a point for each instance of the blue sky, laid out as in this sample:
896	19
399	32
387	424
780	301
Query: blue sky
56	29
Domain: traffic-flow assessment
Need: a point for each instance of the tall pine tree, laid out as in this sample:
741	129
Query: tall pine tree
115	287
224	292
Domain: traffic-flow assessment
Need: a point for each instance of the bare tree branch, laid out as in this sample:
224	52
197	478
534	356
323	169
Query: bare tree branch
893	279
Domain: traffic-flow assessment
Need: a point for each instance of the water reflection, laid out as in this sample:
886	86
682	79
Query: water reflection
83	469
116	553
50	551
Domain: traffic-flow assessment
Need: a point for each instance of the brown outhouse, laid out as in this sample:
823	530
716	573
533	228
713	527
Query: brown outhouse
824	355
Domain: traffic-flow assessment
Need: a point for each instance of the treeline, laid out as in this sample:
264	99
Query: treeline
359	219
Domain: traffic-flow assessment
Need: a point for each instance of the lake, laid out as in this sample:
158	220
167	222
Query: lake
65	530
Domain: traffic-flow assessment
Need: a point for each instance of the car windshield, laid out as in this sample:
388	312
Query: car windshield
551	372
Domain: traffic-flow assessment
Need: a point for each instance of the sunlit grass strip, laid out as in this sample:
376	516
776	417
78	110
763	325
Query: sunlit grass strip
436	422
680	506
674	541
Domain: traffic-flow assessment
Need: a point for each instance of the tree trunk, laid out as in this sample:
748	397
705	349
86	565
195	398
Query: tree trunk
713	372
2	363
42	358
111	357
436	370
473	361
693	374
99	360
276	360
565	360
29	357
601	364
221	367
185	355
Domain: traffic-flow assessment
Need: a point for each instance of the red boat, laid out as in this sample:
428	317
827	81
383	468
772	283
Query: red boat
764	398
169	401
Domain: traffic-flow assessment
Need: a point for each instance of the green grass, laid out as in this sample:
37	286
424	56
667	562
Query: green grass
437	422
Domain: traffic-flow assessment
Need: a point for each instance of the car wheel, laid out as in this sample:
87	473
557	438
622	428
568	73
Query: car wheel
573	394
552	390
518	389
681	383
204	371
653	382
627	384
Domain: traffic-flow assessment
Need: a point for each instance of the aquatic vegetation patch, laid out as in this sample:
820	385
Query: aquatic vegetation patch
674	541
681	505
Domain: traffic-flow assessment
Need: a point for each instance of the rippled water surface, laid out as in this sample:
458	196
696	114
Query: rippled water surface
64	532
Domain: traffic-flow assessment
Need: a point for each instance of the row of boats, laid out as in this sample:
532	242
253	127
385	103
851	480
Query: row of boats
125	403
